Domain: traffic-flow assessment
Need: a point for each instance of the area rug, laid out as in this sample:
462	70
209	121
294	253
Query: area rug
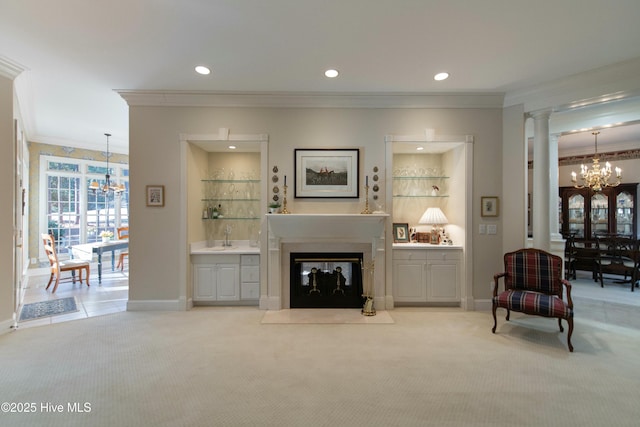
53	307
324	315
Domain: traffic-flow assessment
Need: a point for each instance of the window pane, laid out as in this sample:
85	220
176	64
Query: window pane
63	212
60	166
101	170
97	218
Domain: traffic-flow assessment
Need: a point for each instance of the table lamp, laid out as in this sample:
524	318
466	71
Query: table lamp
436	218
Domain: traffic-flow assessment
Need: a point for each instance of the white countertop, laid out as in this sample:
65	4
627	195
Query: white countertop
237	247
424	246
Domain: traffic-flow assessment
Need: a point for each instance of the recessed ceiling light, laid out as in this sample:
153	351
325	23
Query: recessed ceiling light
441	76
420	148
201	69
232	147
331	73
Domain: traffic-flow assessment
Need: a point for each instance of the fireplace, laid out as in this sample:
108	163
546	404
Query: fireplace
358	236
326	280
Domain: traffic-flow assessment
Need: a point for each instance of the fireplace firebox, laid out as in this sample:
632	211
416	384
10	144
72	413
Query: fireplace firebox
326	280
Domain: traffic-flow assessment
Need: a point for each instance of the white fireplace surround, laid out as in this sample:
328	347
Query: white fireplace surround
322	233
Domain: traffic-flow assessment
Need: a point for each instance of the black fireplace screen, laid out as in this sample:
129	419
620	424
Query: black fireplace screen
326	280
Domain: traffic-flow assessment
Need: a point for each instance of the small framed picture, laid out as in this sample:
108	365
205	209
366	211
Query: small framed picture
155	195
400	233
490	206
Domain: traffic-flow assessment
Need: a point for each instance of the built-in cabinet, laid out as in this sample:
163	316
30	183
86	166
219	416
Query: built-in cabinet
422	173
226	277
232	199
427	274
585	213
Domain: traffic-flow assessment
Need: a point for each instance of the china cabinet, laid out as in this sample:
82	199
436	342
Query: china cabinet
585	213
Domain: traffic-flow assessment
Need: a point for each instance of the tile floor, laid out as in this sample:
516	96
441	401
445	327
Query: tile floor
113	294
96	300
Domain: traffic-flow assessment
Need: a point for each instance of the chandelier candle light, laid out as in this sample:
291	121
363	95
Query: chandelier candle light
596	178
108	186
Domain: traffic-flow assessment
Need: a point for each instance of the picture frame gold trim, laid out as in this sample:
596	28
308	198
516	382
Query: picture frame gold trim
489	206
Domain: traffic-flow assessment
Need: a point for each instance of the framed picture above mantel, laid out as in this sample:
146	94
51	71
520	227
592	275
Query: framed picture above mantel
327	173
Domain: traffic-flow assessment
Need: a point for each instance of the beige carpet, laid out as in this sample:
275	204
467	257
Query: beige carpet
220	366
325	316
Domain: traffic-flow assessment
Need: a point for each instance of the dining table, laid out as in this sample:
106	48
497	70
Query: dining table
85	252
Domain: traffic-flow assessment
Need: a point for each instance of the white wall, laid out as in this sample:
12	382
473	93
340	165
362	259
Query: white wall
7	166
155	159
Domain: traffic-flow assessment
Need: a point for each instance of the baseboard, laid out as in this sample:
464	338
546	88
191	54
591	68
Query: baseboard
270	303
482	304
6	326
155	305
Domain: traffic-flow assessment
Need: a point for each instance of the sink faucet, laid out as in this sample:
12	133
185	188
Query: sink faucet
227	233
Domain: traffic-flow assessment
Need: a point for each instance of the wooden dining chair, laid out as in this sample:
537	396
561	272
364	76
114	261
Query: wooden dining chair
58	267
123	233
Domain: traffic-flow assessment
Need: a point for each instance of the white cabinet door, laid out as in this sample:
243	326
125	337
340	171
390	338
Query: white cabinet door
204	280
228	282
443	275
216	282
409	283
443	279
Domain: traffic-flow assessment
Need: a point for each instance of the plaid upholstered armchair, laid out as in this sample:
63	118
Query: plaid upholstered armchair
533	284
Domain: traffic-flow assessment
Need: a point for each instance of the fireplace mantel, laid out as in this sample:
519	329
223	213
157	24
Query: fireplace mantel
341	227
322	233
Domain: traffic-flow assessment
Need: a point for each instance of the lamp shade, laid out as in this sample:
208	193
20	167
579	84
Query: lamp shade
433	216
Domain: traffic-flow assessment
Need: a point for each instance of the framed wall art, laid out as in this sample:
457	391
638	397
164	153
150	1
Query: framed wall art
400	233
155	195
327	173
490	206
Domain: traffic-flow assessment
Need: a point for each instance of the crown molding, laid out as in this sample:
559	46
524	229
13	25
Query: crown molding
605	84
9	68
312	99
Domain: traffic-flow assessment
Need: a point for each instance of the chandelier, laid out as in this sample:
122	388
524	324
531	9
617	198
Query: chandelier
597	177
108	185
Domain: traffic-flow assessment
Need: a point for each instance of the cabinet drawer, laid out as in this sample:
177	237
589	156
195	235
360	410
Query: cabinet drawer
250	273
250	260
215	259
249	291
408	255
444	255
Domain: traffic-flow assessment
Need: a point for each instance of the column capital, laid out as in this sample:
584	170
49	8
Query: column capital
540	114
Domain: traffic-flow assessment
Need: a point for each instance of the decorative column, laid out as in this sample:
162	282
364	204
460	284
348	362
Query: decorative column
542	171
554	218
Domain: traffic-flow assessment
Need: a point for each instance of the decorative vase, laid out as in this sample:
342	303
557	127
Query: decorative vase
106	239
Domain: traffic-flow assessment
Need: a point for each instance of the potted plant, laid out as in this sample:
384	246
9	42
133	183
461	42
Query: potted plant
106	235
273	207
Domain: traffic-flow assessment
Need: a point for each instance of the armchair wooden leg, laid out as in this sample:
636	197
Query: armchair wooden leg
495	321
560	324
570	322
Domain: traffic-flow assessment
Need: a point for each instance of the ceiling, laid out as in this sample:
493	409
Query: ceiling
77	53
